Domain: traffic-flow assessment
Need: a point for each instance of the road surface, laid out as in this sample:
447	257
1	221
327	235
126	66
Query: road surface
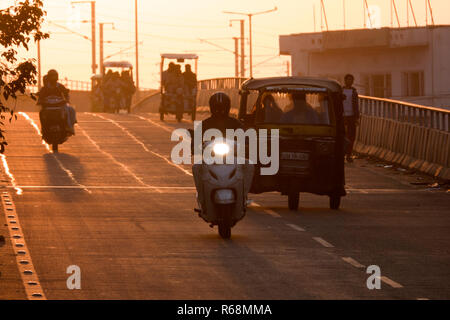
112	203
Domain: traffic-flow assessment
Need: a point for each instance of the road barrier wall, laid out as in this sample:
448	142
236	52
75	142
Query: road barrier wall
412	136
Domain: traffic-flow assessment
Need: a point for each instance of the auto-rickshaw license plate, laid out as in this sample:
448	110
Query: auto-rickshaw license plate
303	156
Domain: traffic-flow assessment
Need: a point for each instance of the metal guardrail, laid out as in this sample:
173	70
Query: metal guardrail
429	117
220	83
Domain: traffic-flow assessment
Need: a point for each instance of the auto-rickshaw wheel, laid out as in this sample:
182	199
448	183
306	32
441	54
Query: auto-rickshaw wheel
161	116
335	202
293	200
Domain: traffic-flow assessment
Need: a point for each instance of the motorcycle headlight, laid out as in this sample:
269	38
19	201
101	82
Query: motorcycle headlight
221	149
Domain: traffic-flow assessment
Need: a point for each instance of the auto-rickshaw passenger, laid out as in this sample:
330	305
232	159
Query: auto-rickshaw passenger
190	80
272	112
302	112
128	87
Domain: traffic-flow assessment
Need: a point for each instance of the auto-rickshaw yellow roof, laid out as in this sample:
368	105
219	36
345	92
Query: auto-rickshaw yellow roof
256	84
179	55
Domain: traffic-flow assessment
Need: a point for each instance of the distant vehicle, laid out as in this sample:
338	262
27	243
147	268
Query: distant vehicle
177	102
309	115
117	100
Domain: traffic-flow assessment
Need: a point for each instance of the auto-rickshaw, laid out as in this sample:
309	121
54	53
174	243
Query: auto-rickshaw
175	99
309	115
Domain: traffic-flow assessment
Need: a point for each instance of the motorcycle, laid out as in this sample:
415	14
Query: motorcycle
222	195
54	121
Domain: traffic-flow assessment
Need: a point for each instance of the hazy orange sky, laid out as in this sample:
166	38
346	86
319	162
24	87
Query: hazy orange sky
177	26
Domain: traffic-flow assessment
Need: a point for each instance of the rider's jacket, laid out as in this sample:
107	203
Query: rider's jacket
222	123
49	90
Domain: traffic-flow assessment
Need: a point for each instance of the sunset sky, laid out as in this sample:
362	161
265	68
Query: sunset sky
177	26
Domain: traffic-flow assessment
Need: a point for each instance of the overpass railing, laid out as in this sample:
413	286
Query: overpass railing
407	134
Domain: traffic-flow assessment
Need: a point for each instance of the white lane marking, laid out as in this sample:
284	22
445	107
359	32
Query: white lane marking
19	190
127	132
353	262
25	265
391	282
120	164
268	211
323	242
67	171
295	227
165	128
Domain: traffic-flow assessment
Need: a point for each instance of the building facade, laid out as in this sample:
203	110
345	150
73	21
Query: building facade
407	64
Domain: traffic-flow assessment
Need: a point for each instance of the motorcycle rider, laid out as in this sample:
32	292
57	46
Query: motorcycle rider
53	88
220	105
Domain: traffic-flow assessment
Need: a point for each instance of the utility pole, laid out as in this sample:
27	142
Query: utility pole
242	23
93	23
39	65
288	68
236	57
101	43
137	46
250	15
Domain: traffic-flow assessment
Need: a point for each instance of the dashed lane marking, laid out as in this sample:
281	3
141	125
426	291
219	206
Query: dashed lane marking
323	242
295	227
25	265
268	211
353	262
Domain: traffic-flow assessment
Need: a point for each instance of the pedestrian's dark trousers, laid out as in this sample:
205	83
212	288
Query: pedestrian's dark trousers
350	133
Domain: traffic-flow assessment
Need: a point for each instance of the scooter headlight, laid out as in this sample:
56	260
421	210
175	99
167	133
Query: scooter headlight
221	149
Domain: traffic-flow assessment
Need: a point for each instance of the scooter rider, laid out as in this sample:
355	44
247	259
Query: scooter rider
53	88
220	105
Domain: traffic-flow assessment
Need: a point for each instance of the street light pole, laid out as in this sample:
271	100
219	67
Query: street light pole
250	15
93	23
242	23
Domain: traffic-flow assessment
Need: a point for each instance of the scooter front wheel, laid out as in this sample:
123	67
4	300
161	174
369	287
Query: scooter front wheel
55	147
225	222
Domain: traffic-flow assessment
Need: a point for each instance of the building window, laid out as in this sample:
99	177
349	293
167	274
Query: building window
377	85
413	84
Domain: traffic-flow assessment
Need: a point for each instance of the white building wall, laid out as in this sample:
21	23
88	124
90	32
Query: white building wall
413	49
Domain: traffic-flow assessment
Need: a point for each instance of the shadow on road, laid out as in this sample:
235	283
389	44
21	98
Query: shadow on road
57	176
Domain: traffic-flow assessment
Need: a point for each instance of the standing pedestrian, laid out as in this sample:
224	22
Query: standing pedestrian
351	114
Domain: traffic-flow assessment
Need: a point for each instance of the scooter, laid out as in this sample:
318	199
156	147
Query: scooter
223	198
54	121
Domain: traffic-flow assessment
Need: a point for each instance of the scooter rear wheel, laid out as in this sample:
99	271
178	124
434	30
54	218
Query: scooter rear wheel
293	200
